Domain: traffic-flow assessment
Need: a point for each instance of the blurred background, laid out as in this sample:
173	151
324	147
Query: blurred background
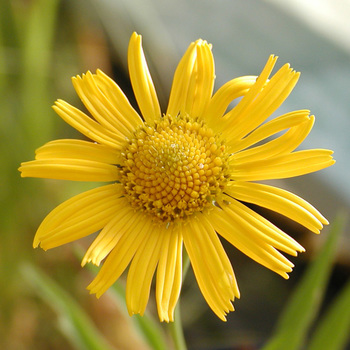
45	42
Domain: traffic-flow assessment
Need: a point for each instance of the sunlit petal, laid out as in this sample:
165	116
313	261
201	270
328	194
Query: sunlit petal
70	169
227	93
181	81
214	275
78	149
141	272
270	128
202	81
283	144
100	107
279	200
283	166
121	255
79	216
110	235
88	127
169	274
141	81
237	114
236	233
119	102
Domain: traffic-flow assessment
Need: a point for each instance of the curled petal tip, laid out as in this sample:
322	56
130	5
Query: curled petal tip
136	37
285	276
135	34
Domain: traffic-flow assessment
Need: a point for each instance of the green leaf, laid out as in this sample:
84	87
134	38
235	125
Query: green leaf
303	306
333	330
73	321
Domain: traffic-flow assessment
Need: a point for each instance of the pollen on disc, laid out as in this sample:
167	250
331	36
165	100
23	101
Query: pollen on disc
174	168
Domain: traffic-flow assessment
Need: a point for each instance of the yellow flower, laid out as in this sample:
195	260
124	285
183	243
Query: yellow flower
179	178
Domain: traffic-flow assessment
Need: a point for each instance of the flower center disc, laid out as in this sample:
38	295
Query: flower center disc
173	169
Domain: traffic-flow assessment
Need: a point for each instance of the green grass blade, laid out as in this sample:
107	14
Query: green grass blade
73	321
334	329
37	55
303	306
3	73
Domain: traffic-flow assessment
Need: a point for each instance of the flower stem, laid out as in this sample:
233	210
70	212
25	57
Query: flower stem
176	329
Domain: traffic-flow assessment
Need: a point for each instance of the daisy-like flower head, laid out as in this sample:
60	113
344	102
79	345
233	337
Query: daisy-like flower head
179	178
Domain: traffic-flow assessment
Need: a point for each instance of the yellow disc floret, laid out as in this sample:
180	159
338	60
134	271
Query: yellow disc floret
174	168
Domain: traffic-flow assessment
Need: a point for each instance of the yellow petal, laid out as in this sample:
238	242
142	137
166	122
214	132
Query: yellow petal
121	255
181	81
270	128
211	266
280	201
100	107
70	169
237	234
78	149
88	127
201	82
79	216
126	113
141	81
177	281
283	144
224	96
141	272
262	229
262	104
239	112
110	235
283	166
169	274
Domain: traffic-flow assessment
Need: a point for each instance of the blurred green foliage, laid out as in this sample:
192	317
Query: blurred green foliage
293	328
31	32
